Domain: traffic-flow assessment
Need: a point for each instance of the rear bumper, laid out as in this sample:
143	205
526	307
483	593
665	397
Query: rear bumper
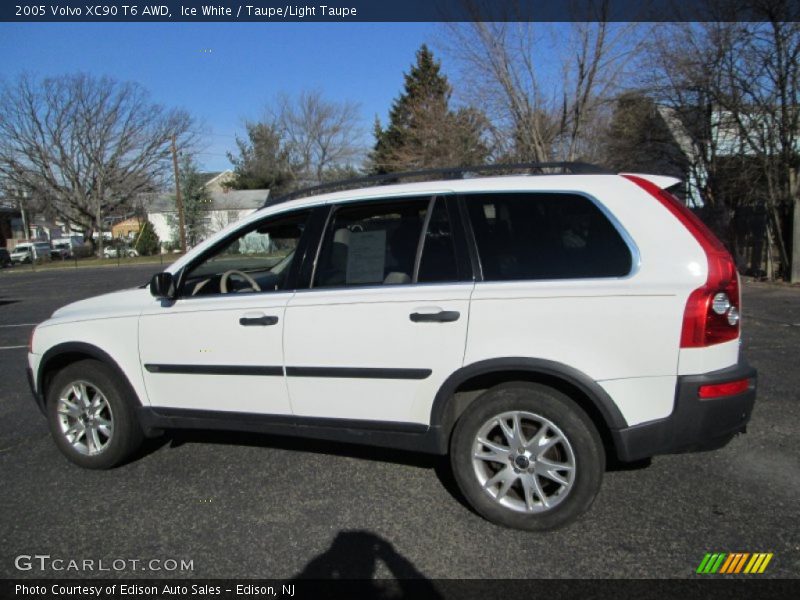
694	424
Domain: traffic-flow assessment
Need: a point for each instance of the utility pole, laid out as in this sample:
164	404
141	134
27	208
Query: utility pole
178	198
22	197
794	191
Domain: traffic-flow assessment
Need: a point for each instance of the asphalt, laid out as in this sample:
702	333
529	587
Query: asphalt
256	506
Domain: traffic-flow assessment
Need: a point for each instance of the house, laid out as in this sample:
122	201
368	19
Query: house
218	182
126	229
736	146
10	225
225	208
16	227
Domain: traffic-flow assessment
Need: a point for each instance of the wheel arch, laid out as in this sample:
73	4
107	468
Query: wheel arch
465	385
63	355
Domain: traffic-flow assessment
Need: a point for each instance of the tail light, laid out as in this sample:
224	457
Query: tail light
719	390
712	310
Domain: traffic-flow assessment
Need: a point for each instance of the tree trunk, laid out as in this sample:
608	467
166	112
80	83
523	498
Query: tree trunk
795	273
780	242
99	246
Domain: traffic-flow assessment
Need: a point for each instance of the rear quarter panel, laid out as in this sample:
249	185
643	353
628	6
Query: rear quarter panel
622	332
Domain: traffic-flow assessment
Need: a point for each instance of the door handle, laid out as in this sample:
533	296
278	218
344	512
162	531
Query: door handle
261	321
443	316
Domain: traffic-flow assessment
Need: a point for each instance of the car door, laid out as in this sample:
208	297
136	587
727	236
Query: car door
218	346
384	320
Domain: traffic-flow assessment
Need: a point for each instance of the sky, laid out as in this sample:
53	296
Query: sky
224	73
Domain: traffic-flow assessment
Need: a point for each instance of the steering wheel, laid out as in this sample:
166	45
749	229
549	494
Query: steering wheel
223	282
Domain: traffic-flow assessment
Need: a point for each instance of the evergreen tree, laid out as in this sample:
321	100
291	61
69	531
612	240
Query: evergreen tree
263	161
639	139
147	242
196	203
423	132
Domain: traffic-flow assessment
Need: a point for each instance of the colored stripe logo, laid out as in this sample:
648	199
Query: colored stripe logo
734	562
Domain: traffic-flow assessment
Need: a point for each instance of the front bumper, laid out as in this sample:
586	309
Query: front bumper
38	398
694	424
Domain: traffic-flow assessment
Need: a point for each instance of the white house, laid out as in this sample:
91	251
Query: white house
226	207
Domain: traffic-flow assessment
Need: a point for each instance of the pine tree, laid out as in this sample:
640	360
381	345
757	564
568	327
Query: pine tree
263	161
147	242
423	132
196	203
639	139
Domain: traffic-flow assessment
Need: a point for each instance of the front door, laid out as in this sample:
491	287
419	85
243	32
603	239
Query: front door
218	347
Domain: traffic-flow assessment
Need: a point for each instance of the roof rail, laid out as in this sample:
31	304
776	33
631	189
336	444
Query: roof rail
539	168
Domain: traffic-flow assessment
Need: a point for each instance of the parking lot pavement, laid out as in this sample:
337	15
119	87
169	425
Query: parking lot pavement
257	506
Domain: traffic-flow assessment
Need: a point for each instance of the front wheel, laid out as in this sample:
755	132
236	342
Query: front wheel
527	456
92	419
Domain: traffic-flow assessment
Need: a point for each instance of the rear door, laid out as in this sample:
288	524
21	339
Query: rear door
384	320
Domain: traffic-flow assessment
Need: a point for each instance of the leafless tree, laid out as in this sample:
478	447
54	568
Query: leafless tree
85	145
322	136
544	92
762	102
732	90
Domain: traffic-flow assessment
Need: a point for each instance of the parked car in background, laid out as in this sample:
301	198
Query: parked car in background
26	252
5	259
74	244
114	251
61	251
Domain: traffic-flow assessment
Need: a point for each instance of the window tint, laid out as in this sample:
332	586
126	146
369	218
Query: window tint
438	261
256	259
371	244
545	236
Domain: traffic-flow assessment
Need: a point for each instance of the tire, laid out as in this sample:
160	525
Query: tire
525	491
110	415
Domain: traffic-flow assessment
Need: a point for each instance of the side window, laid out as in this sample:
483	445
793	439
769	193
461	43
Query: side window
378	243
255	259
545	236
371	243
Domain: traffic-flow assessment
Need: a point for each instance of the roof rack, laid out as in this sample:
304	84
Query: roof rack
532	168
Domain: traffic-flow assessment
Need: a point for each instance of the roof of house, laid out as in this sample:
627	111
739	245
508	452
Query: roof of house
231	200
130	222
210	176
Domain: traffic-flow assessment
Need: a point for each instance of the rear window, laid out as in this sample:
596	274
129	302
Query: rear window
545	236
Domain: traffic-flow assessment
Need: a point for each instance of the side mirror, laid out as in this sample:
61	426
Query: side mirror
162	285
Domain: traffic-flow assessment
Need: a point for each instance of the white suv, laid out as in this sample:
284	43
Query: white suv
528	326
28	252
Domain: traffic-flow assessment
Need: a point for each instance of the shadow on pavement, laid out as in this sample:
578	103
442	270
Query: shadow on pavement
354	555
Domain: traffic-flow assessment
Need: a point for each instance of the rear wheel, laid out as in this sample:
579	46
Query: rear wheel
92	420
527	456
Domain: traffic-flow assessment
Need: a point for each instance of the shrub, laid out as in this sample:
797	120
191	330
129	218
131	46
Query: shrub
147	243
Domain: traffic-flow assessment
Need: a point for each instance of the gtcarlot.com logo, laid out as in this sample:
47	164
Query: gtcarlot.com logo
733	563
45	562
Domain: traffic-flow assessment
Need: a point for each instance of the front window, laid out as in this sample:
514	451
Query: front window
256	259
